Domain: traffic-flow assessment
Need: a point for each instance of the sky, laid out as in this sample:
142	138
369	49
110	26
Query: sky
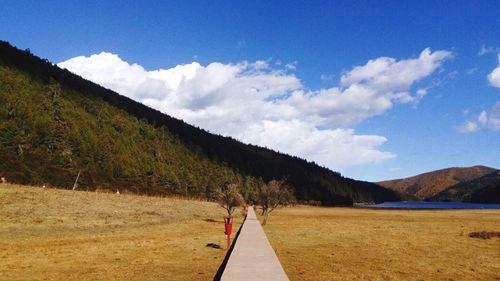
373	89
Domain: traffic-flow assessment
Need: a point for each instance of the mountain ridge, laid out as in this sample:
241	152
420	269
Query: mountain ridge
427	185
62	92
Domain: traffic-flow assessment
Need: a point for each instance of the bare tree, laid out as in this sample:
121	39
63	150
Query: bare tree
229	198
272	195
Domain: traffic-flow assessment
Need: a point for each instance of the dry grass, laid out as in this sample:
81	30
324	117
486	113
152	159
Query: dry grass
49	234
316	243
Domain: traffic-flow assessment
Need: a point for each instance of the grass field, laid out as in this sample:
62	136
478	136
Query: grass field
316	243
50	234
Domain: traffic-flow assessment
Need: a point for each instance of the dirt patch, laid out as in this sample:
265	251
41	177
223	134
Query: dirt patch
484	234
213	245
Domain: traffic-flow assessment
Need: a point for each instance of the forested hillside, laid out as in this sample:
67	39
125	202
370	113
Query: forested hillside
427	185
485	189
54	124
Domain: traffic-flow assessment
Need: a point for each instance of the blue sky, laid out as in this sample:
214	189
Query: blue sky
301	57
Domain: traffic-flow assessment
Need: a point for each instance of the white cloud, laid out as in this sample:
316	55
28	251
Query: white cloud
326	77
261	104
292	65
488	50
494	76
367	90
468	127
472	70
486	120
390	75
334	148
421	93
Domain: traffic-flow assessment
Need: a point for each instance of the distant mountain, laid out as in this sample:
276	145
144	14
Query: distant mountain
427	185
55	124
485	189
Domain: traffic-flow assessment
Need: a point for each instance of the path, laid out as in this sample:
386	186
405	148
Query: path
252	257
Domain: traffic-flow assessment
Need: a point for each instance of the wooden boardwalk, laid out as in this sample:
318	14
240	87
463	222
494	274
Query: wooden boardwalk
253	258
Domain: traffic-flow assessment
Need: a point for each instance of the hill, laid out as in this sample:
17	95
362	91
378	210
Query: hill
425	186
54	124
485	189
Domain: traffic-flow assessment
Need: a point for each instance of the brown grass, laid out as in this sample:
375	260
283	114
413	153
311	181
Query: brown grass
49	234
316	243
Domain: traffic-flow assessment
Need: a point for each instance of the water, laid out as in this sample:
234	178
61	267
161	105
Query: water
434	205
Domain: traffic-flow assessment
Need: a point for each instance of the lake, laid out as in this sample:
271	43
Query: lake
433	205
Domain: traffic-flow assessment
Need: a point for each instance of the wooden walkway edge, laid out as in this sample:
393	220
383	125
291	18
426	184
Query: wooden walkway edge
253	258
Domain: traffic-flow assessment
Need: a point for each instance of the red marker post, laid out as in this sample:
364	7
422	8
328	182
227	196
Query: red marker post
228	223
245	208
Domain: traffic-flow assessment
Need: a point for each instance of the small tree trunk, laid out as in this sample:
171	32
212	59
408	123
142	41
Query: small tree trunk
76	181
266	215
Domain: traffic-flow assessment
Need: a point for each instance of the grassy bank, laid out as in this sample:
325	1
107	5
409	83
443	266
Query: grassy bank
316	243
50	234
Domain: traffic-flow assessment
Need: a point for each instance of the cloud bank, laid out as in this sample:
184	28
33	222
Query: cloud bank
262	104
